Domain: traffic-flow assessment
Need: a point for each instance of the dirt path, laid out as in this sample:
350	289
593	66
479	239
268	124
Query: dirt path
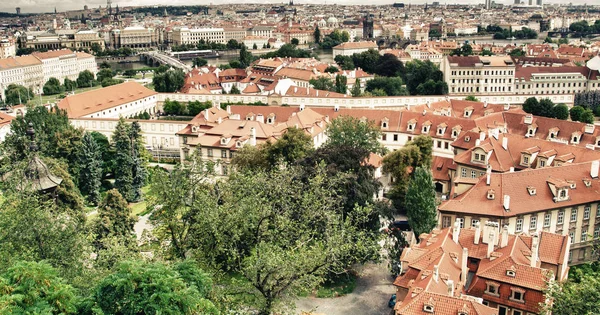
373	291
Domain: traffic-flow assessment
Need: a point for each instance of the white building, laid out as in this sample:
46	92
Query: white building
475	75
424	53
259	41
350	48
186	36
555	80
8	48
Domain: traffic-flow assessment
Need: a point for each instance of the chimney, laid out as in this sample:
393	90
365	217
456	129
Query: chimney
477	142
505	143
594	169
511	169
301	107
528	119
485	104
295	89
450	284
436	273
219	120
504	240
463	268
455	231
229	109
488	175
428	104
260	118
482	136
589	128
506	203
477	233
252	136
506	106
535	242
490	244
206	114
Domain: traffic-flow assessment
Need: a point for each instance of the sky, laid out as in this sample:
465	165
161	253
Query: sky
34	6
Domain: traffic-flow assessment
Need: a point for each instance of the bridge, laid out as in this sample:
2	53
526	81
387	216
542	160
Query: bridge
393	42
155	58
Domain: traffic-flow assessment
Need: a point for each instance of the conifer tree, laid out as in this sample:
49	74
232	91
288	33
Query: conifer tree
123	160
138	170
114	219
90	168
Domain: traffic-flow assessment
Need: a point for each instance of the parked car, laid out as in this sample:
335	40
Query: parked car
401	225
392	301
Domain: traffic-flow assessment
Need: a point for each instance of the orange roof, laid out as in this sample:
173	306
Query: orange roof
356	45
90	102
53	53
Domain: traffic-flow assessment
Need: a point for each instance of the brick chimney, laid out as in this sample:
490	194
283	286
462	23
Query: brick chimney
477	233
535	243
252	136
490	244
464	270
450	284
436	273
456	231
594	169
504	240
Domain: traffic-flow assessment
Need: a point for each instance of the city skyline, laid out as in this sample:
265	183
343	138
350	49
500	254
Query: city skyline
41	6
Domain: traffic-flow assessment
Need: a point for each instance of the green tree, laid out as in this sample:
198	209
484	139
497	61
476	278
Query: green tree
295	144
114	220
151	288
425	77
531	104
578	296
471	98
123	160
234	90
345	62
345	36
169	81
587	117
392	86
317	35
332	69
246	57
194	108
52	87
233	44
356	90
107	153
130	73
322	83
200	62
86	79
367	60
255	47
341	84
575	112
139	171
17	94
90	168
251	158
104	74
420	202
352	132
295	42
434	34
173	107
69	85
35	288
390	66
560	111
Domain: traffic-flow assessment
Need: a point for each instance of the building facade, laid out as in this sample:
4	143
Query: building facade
186	36
474	75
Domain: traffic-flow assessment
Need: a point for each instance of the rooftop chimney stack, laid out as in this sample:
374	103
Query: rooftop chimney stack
505	142
482	136
506	203
594	169
463	267
252	136
436	273
455	231
504	240
450	284
528	119
534	248
229	109
490	245
488	174
477	233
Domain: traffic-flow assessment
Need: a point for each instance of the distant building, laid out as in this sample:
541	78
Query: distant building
57	39
368	24
398	5
350	48
186	36
8	48
133	37
474	75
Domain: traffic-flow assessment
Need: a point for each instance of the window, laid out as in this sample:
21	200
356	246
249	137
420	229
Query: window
598	210
533	223
461	222
477	156
573	214
474	221
473	174
547	217
561	216
492	289
563	193
209	152
583	236
395	137
586	212
515	312
463	172
525	160
542	163
383	137
572	237
597	232
223	153
445	221
519	227
517	295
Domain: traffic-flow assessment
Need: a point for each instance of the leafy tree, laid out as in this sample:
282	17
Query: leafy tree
136	287
287	50
322	83
35	288
17	94
420	202
356	90
234	90
517	52
255	47
69	85
200	62
560	111
173	107
367	60
108	82
317	35
86	79
471	98
531	104
53	87
251	158
574	296
345	36
427	75
332	69
391	86
90	168
345	62
123	160
295	144
169	81
434	34
487	52
587	117
341	84
390	66
352	132
464	50
233	44
114	220
106	151
130	73
194	108
139	172
295	42
246	57
235	64
105	65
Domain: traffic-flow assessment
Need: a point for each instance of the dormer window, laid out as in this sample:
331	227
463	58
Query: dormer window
454	134
491	194
425	129
467	138
411	127
384	123
525	159
562	194
575	139
531	190
572	184
428	308
511	273
542	163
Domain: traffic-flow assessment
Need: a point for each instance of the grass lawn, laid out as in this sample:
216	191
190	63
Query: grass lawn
342	285
139	207
54	98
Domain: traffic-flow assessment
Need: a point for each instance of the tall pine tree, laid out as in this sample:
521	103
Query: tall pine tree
90	168
114	220
123	160
139	173
420	202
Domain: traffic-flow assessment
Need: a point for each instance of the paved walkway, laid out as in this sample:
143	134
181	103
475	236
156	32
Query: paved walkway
373	291
141	225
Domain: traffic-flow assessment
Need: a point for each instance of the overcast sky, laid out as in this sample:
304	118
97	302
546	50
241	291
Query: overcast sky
28	6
